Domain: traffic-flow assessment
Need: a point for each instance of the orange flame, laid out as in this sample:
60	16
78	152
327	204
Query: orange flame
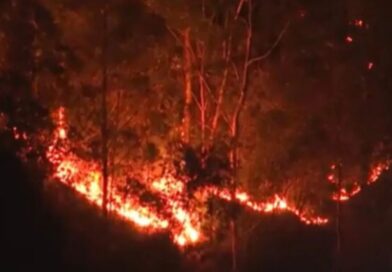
377	170
345	194
277	204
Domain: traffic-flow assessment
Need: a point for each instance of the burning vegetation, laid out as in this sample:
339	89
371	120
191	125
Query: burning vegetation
177	213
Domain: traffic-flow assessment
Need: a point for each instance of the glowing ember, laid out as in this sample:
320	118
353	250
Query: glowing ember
19	135
349	39
345	195
377	170
358	23
61	129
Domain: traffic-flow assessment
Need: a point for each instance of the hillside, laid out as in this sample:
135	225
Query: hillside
54	229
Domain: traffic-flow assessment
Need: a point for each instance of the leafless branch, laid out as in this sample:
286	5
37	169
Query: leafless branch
239	8
245	74
208	87
235	69
175	35
197	101
274	45
223	114
221	91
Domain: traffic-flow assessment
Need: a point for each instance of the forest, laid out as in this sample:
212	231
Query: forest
204	135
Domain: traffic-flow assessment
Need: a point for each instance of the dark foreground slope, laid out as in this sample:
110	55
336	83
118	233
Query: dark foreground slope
53	229
367	229
279	243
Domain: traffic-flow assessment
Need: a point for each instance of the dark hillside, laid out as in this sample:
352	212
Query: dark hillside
56	230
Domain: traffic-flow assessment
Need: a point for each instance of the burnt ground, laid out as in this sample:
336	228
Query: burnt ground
49	228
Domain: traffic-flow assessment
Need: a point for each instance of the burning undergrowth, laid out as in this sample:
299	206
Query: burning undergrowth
176	201
170	203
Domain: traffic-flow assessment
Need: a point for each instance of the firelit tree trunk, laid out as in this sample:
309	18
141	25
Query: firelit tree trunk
243	90
187	86
104	130
234	126
222	88
338	218
203	108
202	103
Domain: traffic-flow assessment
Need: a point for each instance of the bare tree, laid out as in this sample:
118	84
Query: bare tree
187	85
104	129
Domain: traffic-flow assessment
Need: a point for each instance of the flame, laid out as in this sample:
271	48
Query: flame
345	194
377	170
276	204
178	213
86	179
358	23
61	125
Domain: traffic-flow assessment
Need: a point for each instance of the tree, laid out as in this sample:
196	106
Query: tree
26	57
104	120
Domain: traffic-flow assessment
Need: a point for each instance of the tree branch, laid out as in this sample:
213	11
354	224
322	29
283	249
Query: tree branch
174	34
274	45
197	101
235	69
221	91
239	8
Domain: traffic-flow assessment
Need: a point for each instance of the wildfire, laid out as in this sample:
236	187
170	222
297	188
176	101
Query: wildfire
276	204
177	213
86	179
346	194
377	170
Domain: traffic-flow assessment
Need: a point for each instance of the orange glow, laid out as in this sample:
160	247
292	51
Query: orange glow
349	39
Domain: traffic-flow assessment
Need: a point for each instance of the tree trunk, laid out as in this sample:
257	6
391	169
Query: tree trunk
187	86
234	127
104	130
203	108
203	103
222	88
338	219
